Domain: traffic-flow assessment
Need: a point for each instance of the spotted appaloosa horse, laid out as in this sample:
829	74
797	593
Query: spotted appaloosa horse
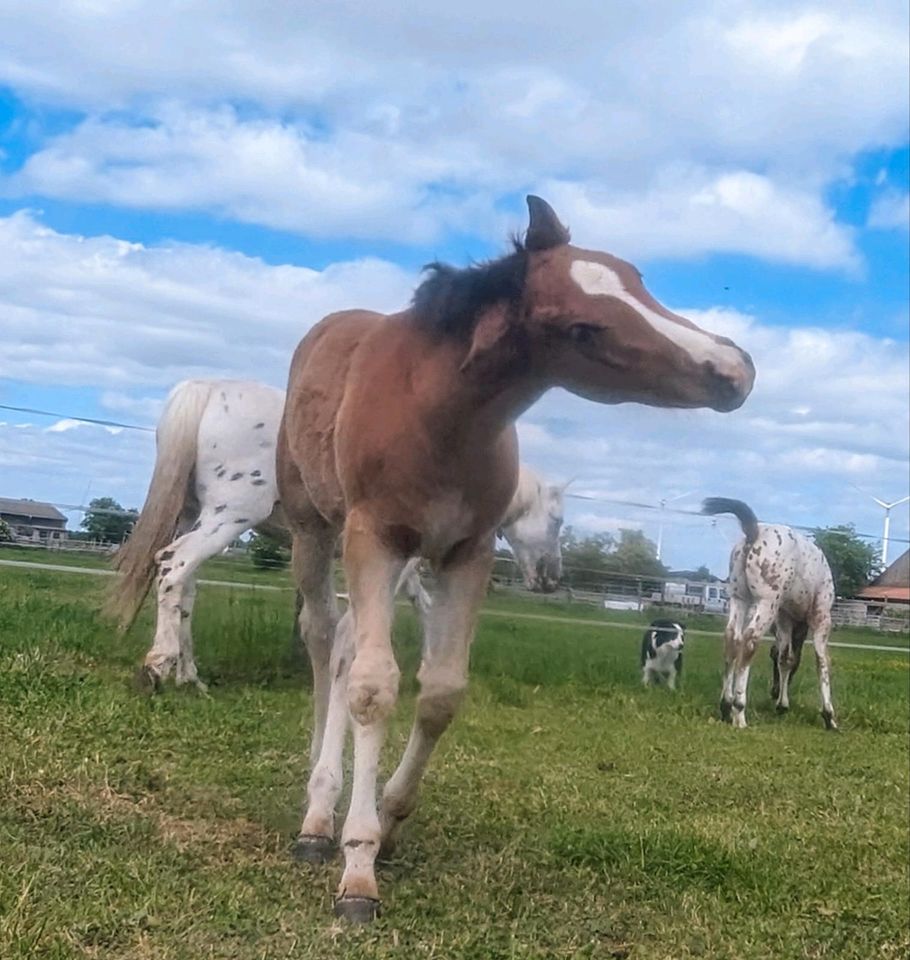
214	479
778	578
398	436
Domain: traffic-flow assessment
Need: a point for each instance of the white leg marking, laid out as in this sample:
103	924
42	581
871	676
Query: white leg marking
443	679
327	777
372	690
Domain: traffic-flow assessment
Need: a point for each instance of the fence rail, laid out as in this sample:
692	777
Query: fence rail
610	591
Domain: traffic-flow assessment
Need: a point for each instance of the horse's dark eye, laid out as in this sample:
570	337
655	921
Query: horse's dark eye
582	333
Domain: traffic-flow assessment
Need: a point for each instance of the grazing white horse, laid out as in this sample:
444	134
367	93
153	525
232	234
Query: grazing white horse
778	578
214	479
532	526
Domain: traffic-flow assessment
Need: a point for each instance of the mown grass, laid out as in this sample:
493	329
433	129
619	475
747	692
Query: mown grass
567	813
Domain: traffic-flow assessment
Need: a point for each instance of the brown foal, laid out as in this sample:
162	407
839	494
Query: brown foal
398	436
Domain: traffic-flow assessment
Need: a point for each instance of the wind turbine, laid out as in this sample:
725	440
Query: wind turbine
887	528
660	529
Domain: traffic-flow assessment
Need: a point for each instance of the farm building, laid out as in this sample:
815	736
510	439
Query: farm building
33	520
892	586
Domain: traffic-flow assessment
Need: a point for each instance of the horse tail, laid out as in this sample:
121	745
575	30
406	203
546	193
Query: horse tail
747	519
175	462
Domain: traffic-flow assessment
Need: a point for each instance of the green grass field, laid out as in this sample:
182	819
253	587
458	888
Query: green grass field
567	813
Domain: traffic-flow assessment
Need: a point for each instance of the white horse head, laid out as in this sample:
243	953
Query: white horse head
532	527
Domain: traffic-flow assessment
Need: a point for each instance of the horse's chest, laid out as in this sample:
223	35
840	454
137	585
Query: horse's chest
446	520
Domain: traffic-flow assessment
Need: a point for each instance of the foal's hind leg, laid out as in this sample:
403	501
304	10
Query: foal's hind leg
316	840
312	557
443	679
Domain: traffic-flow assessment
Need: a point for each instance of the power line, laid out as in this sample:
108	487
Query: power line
697	513
66	416
575	496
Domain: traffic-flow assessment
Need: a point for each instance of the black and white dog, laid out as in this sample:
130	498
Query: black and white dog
661	652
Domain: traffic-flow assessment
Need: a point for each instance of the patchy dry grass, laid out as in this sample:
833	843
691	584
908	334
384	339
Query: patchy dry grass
568	813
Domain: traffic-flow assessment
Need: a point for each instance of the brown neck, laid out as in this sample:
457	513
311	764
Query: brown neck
481	398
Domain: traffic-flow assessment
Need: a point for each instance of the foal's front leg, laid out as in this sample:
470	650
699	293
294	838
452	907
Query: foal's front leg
443	679
372	689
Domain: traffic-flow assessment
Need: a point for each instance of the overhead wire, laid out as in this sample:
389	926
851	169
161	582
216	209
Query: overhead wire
637	504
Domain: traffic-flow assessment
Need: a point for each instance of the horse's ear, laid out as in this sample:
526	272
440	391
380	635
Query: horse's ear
544	229
490	330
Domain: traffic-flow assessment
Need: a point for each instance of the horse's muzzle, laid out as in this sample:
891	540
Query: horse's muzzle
729	386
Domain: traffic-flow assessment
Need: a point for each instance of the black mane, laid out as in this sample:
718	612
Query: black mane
449	301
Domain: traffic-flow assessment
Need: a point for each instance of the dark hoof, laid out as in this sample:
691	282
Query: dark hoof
726	711
357	909
829	722
309	848
782	709
146	681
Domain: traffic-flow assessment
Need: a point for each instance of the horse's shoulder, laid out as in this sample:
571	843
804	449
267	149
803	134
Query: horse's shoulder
316	389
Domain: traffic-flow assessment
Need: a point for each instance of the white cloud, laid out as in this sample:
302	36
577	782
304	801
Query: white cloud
365	120
373	185
95	310
706	60
890	211
279	175
695	212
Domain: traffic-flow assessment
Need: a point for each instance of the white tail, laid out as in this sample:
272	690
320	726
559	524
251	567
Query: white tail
176	439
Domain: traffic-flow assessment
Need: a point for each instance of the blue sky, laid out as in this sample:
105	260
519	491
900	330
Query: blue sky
184	196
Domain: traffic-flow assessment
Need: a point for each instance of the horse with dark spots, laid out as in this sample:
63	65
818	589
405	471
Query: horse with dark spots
779	579
398	436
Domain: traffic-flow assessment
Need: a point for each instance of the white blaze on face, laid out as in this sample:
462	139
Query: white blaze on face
598	280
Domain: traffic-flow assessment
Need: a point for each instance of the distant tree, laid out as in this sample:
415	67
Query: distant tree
105	519
268	553
702	574
853	561
6	535
636	554
584	558
594	559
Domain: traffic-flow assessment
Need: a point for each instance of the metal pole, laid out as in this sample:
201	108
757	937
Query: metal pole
660	528
887	530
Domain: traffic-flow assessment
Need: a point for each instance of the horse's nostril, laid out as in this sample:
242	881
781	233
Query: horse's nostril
729	388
